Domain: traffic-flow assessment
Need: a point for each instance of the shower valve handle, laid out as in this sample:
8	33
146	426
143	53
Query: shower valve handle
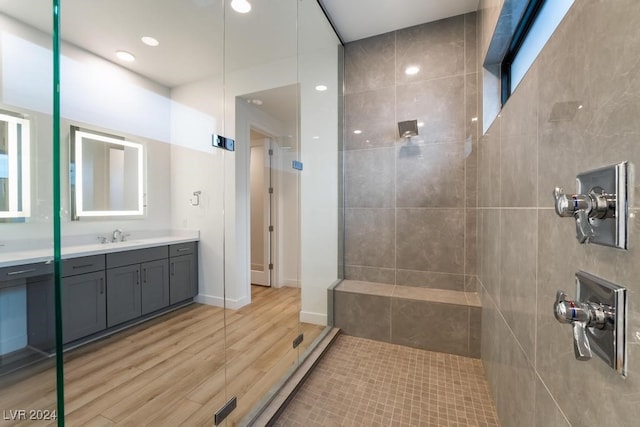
581	315
597	204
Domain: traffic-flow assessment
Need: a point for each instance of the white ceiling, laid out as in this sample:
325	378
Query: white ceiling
358	19
195	34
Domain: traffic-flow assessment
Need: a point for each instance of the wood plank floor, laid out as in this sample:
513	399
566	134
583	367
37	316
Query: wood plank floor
174	370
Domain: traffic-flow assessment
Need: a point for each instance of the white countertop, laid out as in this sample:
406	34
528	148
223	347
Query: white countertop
37	251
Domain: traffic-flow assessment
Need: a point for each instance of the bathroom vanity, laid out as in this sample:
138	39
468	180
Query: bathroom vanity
105	288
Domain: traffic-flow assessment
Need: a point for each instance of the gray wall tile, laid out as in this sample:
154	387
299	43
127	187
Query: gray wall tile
490	252
470	43
475	331
370	274
444	98
515	398
370	236
370	178
370	63
547	412
432	176
436	103
373	114
489	167
585	89
518	255
441	327
360	315
437	48
430	240
470	242
430	279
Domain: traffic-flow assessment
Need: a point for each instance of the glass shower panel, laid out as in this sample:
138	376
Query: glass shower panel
320	82
261	93
27	309
143	211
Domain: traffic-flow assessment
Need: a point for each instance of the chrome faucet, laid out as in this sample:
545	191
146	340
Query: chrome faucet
116	235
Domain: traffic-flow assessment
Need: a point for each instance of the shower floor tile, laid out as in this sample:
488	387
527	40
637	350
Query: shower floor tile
360	382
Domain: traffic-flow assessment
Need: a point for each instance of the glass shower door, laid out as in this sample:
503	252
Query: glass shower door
261	93
143	205
28	369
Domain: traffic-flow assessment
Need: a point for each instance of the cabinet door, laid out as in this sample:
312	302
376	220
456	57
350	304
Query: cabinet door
155	285
83	305
123	294
183	280
41	328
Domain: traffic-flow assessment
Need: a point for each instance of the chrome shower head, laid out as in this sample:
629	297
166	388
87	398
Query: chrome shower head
408	128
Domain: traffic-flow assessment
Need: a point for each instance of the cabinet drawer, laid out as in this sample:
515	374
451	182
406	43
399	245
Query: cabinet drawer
25	271
138	256
182	249
87	264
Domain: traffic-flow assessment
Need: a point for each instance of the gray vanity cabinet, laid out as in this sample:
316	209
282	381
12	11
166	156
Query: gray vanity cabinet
84	299
38	280
155	285
137	283
123	294
184	271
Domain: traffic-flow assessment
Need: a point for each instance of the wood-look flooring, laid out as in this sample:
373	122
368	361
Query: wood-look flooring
178	369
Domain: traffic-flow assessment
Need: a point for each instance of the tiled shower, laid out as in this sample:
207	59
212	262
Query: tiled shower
460	209
411	204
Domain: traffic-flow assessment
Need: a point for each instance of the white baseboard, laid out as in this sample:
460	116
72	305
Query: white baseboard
233	304
291	283
313	318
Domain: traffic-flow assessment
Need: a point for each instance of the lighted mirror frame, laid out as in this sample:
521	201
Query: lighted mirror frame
19	174
78	136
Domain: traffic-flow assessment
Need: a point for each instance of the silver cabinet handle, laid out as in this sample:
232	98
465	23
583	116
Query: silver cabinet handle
15	273
101	286
183	249
82	266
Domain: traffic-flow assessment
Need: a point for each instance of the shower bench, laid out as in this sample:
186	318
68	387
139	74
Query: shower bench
431	319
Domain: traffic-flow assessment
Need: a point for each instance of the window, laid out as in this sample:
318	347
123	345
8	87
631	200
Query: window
538	22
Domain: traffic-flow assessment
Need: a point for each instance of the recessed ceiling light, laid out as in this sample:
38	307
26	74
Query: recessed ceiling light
241	6
321	88
420	124
315	137
125	56
411	70
150	41
357	131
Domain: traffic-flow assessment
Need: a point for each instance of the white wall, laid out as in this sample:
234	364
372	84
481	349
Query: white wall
319	192
176	128
96	94
319	125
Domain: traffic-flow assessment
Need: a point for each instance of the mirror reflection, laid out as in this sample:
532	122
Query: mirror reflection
14	167
106	175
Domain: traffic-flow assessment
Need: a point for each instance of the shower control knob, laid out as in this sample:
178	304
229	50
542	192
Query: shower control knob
585	207
581	315
568	204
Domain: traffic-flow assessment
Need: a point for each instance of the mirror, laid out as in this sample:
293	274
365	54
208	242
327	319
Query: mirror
14	167
106	175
